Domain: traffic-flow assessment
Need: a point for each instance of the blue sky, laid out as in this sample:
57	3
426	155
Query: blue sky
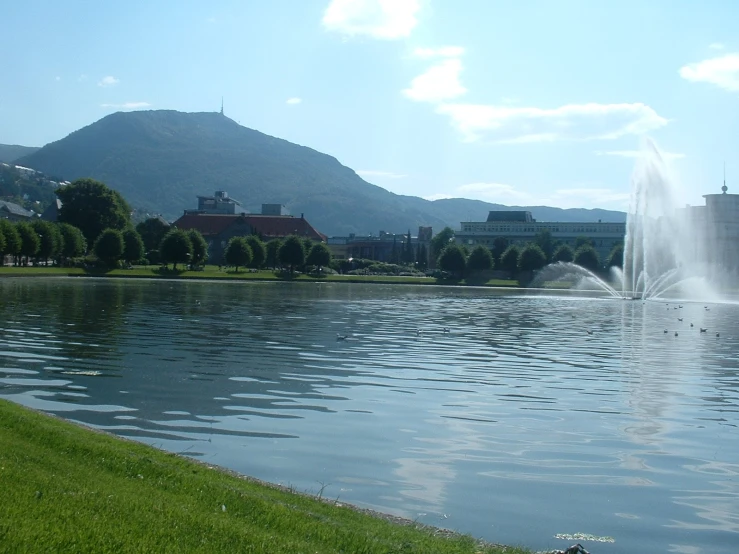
527	102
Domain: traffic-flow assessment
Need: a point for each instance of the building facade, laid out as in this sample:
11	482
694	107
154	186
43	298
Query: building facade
519	228
384	247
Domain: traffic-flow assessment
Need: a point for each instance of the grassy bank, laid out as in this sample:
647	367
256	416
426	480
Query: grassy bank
212	272
66	488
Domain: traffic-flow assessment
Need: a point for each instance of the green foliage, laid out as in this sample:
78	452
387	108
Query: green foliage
452	259
499	246
582	240
258	251
2	246
440	241
109	247
292	253
563	253
272	248
13	243
175	248
91	206
531	258
152	232
133	246
616	256
74	243
319	255
30	191
30	242
238	252
587	257
51	241
509	259
480	259
199	248
422	257
543	239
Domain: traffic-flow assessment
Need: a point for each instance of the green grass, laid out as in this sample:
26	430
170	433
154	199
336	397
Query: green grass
66	488
212	272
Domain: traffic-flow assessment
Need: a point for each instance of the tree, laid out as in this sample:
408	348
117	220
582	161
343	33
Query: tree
422	257
582	240
30	243
616	257
199	248
74	243
238	252
440	241
273	248
133	246
2	246
408	250
319	255
587	257
291	252
499	246
531	258
480	259
50	239
92	207
109	247
175	248
509	259
452	259
12	245
258	251
543	239
563	254
152	232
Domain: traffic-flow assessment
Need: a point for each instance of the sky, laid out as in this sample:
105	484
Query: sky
532	102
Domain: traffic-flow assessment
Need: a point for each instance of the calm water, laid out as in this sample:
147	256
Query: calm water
515	426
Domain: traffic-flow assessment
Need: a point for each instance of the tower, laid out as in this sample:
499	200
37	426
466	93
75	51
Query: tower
724	188
221	105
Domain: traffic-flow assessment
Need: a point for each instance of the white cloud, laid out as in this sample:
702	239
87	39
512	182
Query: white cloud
493	192
371	173
440	196
638	154
127	105
441	52
591	121
57	78
722	72
294	100
440	82
380	19
108	81
716	46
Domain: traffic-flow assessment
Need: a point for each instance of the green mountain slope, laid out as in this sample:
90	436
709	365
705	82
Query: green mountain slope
161	160
11	152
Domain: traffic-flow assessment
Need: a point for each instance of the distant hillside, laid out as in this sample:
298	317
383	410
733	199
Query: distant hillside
11	152
162	160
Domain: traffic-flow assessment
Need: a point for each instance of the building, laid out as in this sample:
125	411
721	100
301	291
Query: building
385	247
14	212
218	228
519	227
219	203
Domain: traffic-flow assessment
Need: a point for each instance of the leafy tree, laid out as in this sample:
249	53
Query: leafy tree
50	239
509	259
109	247
408	250
291	252
30	243
12	244
452	259
258	251
74	243
563	253
480	259
422	257
92	207
319	255
238	252
587	257
395	252
152	232
175	248
499	246
440	241
2	247
544	240
133	246
616	256
199	247
531	258
273	248
582	240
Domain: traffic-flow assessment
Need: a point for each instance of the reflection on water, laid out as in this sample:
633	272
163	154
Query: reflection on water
515	425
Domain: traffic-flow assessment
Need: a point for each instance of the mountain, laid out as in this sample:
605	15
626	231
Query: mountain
162	160
11	152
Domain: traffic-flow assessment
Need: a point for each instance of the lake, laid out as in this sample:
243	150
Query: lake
490	412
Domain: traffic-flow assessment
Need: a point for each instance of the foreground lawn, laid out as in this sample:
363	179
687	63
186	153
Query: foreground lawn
66	488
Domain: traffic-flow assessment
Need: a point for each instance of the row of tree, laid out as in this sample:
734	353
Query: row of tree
292	253
41	241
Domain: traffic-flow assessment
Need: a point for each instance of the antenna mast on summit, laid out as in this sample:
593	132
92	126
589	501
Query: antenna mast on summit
221	105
